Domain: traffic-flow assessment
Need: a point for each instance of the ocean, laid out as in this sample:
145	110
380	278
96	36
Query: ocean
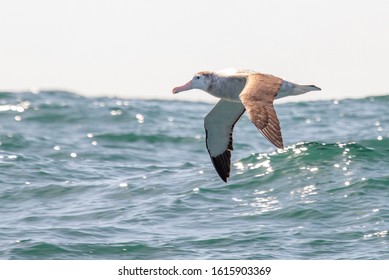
112	178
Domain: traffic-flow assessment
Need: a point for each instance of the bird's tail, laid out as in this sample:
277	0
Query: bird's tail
307	88
288	89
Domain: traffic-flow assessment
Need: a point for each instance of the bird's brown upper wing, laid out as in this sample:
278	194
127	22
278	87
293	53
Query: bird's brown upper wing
257	97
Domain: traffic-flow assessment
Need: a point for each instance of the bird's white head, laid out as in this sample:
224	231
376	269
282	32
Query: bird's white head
201	80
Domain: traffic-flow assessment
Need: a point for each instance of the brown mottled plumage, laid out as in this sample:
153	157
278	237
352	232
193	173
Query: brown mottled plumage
257	97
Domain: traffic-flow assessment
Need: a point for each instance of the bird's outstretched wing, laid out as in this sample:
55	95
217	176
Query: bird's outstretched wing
257	97
219	124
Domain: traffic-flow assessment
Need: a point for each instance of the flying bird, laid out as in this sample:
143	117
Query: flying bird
240	90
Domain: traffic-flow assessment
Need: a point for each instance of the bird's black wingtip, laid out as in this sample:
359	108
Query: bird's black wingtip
224	176
222	165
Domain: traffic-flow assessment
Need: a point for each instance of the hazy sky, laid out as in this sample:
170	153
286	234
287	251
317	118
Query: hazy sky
145	48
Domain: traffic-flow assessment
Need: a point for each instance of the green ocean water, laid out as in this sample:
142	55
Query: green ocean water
110	178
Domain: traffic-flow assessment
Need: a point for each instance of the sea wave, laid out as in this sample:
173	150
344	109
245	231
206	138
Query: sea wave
98	178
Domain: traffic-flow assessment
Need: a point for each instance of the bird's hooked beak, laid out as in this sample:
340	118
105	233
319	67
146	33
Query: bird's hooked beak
187	86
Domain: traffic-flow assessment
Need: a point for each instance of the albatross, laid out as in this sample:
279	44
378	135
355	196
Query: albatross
240	90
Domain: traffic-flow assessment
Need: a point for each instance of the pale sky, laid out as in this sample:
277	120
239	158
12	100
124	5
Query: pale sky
142	49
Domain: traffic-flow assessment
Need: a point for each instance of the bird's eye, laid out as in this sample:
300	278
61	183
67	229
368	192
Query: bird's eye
197	77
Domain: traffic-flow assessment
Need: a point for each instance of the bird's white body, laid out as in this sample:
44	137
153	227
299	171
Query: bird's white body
228	88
